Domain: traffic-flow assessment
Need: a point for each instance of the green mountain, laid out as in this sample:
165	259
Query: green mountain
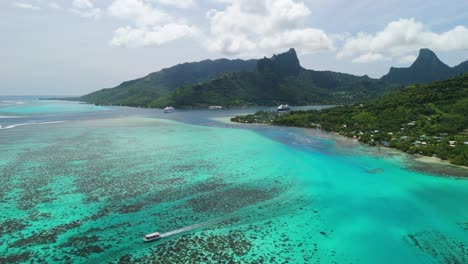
279	79
142	91
427	68
461	68
429	119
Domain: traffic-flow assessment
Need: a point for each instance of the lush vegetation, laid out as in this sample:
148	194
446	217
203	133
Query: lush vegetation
141	92
279	79
427	68
268	81
430	119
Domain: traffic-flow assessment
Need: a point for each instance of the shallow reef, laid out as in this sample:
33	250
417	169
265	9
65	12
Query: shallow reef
88	191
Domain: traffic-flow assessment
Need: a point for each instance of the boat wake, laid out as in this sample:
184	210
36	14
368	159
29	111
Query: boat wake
3	117
184	229
35	123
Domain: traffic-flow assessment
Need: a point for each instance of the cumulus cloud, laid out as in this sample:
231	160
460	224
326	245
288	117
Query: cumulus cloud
178	3
307	40
141	13
369	57
407	59
82	4
149	25
25	6
85	8
401	37
245	26
157	35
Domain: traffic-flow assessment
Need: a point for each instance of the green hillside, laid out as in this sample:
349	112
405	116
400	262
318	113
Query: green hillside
268	81
461	68
430	119
142	91
279	79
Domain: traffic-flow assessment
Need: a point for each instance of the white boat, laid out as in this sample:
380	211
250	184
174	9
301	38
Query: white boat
215	107
168	109
152	236
283	107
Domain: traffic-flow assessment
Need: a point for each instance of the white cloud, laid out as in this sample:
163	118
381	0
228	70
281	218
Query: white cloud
178	3
137	11
158	35
38	4
82	4
89	13
85	8
25	6
307	40
401	37
231	44
407	59
245	26
369	57
149	25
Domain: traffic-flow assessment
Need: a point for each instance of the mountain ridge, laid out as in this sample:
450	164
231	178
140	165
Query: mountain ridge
425	69
266	81
278	79
142	91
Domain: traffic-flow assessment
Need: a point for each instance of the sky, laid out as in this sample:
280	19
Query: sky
73	47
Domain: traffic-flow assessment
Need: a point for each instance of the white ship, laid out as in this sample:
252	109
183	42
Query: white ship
168	109
215	107
283	107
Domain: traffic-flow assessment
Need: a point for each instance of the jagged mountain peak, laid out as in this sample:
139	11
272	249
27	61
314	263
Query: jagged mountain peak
425	69
283	64
428	59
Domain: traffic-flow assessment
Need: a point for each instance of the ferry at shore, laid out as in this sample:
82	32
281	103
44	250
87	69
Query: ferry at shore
283	108
152	237
168	109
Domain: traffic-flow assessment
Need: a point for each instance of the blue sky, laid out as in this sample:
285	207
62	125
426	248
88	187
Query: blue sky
72	47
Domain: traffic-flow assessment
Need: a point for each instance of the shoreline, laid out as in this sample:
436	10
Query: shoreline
434	160
414	161
417	162
204	107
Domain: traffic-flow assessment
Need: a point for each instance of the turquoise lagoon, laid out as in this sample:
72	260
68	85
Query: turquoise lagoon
34	106
87	189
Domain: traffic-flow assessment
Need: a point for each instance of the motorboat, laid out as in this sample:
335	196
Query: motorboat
152	237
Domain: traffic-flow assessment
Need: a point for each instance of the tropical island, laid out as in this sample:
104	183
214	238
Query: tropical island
429	119
264	82
238	83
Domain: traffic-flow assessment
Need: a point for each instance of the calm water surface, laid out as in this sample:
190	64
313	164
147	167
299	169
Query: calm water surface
83	184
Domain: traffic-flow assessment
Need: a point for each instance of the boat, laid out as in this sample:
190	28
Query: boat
215	107
168	109
283	107
152	237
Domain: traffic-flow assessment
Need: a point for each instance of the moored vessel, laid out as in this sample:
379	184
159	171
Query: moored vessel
168	109
215	107
283	107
